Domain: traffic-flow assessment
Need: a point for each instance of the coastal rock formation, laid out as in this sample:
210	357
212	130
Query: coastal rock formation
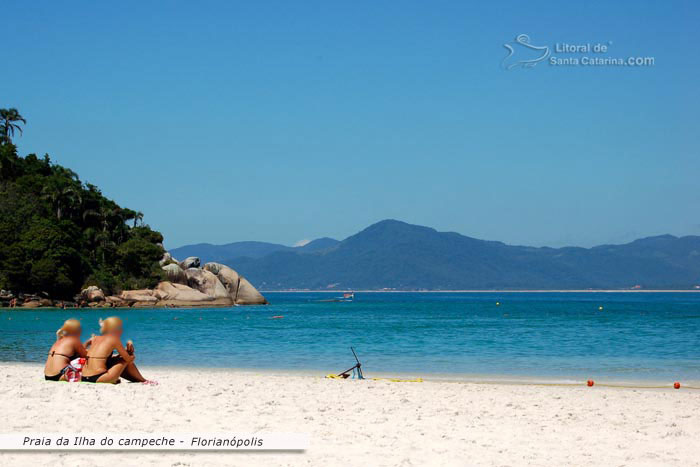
213	285
167	259
170	294
191	262
228	277
214	268
92	294
168	291
174	273
206	282
248	295
239	289
116	301
142	297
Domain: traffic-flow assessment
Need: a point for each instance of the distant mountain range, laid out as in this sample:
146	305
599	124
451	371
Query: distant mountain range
207	252
395	255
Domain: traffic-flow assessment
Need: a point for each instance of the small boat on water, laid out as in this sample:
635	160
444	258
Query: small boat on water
347	297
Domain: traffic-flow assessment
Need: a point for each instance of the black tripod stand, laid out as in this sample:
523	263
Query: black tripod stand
356	369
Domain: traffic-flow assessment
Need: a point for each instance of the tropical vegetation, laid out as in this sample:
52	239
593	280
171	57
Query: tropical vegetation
59	234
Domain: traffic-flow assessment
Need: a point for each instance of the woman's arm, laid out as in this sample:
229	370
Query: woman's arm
122	351
80	348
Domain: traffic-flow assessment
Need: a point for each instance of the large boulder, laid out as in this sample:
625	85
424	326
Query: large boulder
191	262
174	273
248	295
116	301
206	282
167	259
240	290
228	277
170	294
92	294
142	297
169	291
214	268
6	295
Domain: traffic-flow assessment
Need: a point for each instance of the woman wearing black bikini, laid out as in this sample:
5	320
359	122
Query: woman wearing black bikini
102	366
66	348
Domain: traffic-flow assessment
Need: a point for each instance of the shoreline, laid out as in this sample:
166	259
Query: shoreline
652	382
353	422
189	305
106	307
492	291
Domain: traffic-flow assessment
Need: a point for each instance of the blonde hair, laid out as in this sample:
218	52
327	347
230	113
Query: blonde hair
70	326
110	324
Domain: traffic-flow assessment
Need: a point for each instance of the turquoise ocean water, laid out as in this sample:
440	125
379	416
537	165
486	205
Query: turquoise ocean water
654	336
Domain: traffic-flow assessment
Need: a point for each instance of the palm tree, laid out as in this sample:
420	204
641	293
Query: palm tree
65	172
91	236
61	195
105	215
8	117
138	217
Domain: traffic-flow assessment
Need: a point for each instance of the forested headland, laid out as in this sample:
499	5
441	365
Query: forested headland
59	234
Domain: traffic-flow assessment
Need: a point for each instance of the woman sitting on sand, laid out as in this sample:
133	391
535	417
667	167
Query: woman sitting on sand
66	348
102	366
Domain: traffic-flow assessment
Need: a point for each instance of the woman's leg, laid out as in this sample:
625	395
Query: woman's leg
131	373
127	371
115	367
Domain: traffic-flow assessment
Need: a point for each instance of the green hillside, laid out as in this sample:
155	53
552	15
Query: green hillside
60	234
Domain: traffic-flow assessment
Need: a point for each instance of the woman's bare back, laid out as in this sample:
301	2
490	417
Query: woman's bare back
61	353
101	349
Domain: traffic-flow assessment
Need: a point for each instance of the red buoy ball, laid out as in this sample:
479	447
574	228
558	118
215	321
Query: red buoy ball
676	385
590	383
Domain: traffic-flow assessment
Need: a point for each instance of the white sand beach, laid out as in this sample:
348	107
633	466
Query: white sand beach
359	423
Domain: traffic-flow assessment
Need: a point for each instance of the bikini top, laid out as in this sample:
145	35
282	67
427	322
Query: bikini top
53	352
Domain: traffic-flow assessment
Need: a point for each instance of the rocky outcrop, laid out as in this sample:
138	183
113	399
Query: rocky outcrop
170	292
116	301
189	285
167	259
174	273
191	262
186	284
139	298
227	276
206	282
239	289
92	294
249	295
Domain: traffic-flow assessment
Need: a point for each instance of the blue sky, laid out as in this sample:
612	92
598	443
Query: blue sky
279	121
